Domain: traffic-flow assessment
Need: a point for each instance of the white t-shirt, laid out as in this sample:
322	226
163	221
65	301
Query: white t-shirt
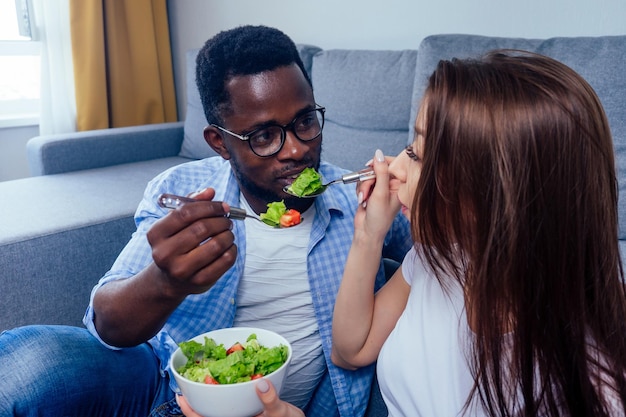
422	367
274	294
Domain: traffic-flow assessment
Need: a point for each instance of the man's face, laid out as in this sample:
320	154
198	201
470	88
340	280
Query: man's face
276	96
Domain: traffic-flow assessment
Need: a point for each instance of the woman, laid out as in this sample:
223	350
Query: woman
512	301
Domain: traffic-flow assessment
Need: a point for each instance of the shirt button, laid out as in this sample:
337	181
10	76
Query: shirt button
232	301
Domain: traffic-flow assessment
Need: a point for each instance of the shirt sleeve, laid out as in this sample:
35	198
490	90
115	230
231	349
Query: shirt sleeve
135	256
408	265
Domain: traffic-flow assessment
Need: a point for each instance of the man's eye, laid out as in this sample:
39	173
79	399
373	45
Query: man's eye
261	137
306	122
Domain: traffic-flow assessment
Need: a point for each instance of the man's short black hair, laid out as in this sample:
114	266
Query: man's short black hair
244	50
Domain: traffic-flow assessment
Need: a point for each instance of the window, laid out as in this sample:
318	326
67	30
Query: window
19	64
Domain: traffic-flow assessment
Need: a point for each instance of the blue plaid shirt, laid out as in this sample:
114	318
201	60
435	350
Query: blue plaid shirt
341	392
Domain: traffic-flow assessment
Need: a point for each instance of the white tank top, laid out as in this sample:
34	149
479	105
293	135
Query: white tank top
274	294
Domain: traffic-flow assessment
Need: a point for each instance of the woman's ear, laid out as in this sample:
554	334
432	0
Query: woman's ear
214	138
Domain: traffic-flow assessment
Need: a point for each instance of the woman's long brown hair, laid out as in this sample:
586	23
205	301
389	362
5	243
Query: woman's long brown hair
518	201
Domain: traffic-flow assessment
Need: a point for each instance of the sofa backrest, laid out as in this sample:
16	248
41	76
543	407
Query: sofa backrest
600	60
367	95
372	97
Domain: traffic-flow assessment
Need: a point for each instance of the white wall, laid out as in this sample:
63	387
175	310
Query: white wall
388	24
13	161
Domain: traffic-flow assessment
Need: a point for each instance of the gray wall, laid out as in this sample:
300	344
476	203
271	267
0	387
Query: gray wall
392	24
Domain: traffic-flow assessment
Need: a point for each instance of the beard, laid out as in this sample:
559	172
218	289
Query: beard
265	193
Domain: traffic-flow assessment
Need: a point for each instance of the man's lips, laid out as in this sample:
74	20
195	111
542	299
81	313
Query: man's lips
284	182
287	178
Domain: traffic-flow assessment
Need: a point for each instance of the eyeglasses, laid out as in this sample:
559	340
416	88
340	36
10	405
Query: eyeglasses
269	140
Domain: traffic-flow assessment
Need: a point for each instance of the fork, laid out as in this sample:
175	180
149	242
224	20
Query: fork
362	175
173	201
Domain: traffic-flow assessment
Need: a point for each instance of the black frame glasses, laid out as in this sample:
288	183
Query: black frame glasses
269	140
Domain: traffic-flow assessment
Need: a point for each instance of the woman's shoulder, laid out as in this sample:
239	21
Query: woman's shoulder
413	268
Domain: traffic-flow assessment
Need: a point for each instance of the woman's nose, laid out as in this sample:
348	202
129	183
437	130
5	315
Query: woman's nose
395	166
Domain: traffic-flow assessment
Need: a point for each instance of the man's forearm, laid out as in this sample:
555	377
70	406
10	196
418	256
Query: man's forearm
131	311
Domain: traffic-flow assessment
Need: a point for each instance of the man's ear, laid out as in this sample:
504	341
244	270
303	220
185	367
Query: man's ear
213	137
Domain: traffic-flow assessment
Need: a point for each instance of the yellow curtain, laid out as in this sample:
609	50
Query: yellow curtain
122	63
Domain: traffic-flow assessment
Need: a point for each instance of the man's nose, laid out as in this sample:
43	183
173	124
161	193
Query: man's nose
293	148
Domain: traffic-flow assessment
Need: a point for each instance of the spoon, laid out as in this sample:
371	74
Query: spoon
172	201
363	175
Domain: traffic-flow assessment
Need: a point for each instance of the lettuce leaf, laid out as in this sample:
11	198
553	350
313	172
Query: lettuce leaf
239	366
308	182
273	213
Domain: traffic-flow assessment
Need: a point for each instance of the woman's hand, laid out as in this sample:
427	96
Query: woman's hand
272	404
378	205
360	327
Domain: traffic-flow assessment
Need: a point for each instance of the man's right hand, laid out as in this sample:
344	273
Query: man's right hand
192	247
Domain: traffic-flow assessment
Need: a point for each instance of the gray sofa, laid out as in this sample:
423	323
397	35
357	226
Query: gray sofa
61	229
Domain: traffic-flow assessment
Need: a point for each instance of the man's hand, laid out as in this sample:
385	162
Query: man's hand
193	245
273	406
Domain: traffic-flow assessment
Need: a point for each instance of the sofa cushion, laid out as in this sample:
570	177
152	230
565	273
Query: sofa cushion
55	203
600	60
194	145
70	229
47	279
368	102
437	47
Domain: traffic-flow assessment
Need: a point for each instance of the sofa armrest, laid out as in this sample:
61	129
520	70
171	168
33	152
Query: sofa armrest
55	154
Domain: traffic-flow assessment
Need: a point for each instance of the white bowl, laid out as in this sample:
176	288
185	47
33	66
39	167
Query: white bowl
229	400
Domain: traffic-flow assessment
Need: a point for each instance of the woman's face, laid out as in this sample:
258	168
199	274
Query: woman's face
406	169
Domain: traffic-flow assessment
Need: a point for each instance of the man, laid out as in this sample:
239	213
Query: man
191	270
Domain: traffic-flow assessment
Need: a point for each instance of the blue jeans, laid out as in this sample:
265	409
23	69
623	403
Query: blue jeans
65	371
